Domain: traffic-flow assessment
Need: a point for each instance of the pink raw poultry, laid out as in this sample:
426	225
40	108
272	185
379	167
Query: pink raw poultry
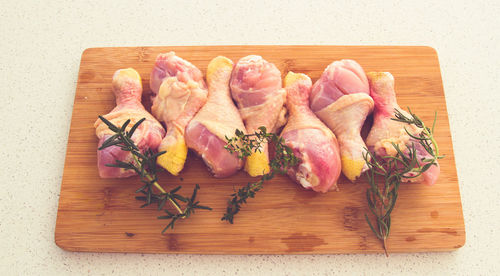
127	88
217	119
170	65
310	139
256	88
385	131
182	92
340	98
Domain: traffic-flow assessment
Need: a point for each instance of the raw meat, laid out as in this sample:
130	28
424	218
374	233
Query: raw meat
181	93
170	65
385	131
216	120
340	98
256	88
127	87
310	139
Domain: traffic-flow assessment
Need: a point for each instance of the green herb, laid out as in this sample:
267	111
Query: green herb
244	145
144	164
425	137
191	206
382	196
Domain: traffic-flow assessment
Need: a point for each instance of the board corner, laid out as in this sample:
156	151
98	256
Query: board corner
88	51
461	241
61	243
429	49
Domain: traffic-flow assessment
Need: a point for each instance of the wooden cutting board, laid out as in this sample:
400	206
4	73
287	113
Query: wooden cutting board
101	215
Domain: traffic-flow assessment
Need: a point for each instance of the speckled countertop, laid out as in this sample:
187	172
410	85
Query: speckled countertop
40	49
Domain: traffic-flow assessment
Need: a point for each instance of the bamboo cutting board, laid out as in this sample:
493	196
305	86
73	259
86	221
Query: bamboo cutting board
101	215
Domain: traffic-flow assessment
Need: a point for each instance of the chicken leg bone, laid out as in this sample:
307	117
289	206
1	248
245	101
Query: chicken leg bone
181	94
311	141
340	98
386	132
217	119
127	87
256	88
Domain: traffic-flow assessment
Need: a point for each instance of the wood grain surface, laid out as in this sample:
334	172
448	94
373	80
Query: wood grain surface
101	215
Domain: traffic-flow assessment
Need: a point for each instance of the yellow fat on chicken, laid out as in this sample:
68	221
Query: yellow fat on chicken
176	152
292	77
129	72
352	169
217	64
257	164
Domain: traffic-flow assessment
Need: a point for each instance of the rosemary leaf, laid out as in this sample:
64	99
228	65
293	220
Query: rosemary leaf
144	164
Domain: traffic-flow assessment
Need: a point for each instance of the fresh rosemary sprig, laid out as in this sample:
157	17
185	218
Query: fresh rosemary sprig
191	206
144	164
245	145
425	137
393	170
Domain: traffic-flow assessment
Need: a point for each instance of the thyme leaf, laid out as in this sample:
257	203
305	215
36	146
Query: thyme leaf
244	145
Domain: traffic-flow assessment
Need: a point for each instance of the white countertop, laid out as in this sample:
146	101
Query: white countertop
40	49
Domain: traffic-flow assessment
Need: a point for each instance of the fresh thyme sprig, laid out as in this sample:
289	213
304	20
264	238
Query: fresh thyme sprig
393	170
244	145
144	164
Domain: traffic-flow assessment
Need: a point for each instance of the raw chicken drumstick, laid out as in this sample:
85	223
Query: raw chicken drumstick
310	139
180	94
385	131
256	88
218	118
127	88
170	65
340	98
